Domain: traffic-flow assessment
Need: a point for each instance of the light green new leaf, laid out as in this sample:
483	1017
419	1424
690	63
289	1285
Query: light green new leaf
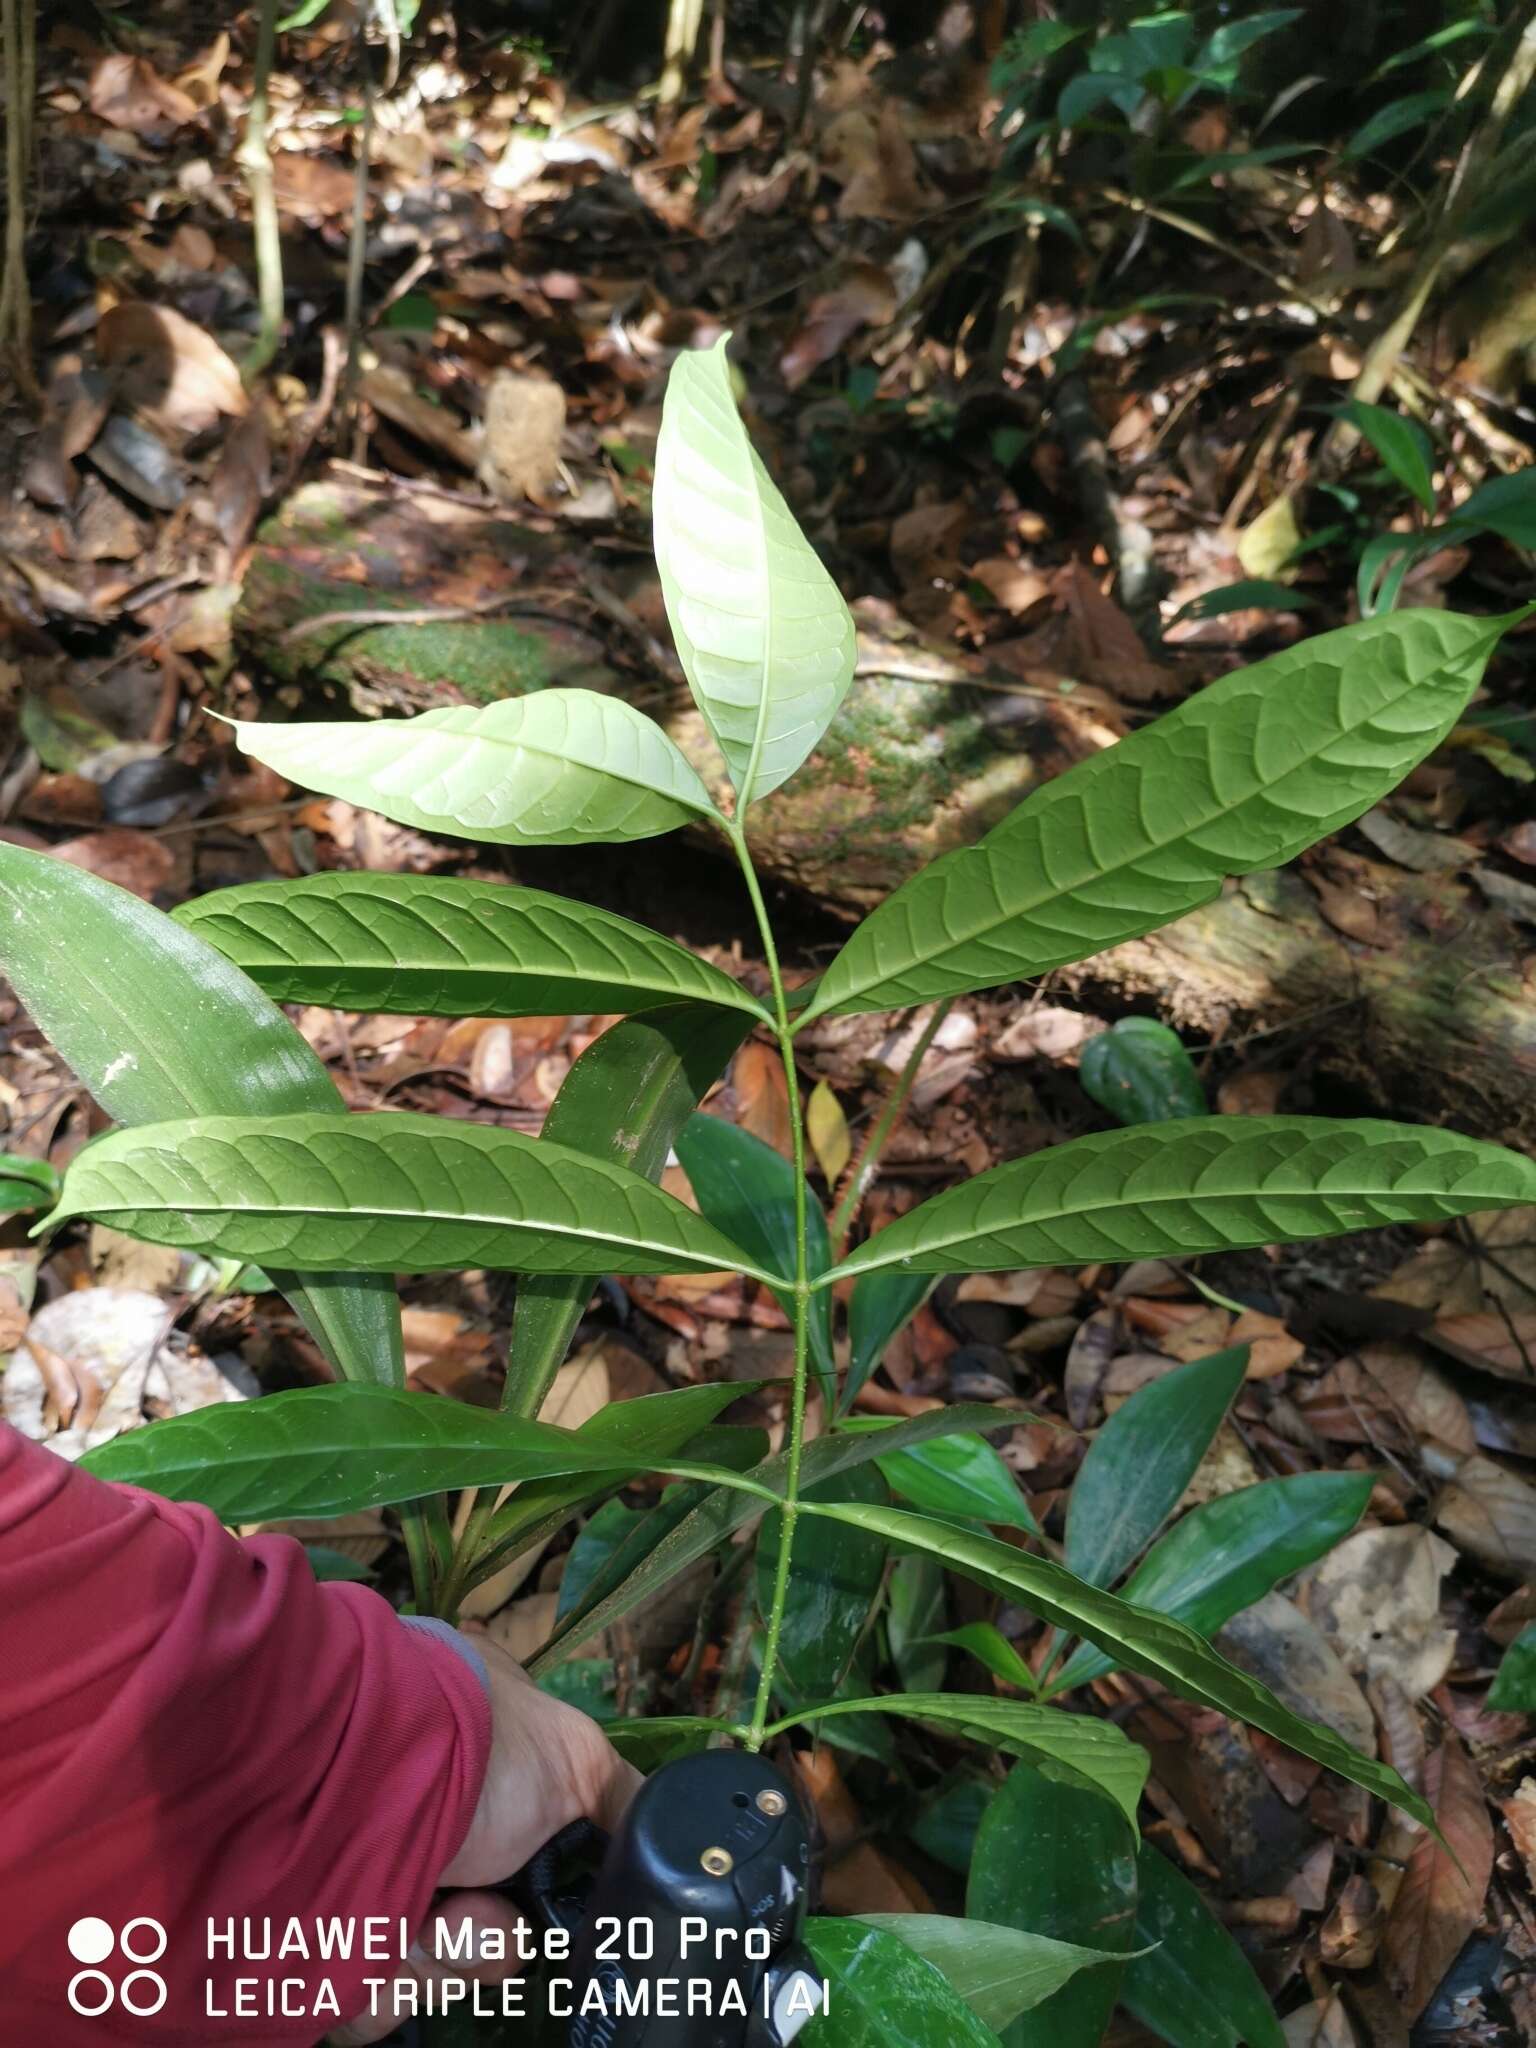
556	768
1192	1983
1245	775
764	637
1083	1750
338	1450
882	1994
715	1518
1200	1184
1140	1462
391	1192
1153	1644
157	1024
1223	1556
985	1641
954	1475
998	1971
436	946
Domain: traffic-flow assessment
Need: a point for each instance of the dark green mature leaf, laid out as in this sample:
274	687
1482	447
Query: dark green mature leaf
1084	1751
1505	505
1141	1073
719	1514
610	1526
556	768
879	1306
1194	1986
1222	1557
747	1190
26	1183
1201	1184
1404	447
998	1971
157	1024
1514	1683
1154	1644
625	1100
437	946
764	637
883	1995
337	1450
833	1586
955	1475
1060	1862
392	1192
1245	775
1141	1461
1413	110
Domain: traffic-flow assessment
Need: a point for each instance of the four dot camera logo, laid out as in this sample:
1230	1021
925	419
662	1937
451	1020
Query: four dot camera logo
92	1992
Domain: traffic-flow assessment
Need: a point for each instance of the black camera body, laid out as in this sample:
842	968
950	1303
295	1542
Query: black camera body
691	1934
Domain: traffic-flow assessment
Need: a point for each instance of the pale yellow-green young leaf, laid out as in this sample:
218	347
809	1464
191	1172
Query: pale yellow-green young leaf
827	1129
1266	544
764	637
557	768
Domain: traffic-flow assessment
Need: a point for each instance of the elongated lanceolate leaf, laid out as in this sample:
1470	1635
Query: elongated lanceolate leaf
1245	775
1088	1752
554	769
1223	1556
1142	1459
624	1100
765	639
388	1193
436	946
1197	1185
157	1024
338	1450
1150	1643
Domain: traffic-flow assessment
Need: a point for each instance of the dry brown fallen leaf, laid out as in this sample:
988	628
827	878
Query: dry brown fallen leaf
1376	1598
1519	1811
865	298
524	423
762	1095
128	93
123	855
1490	1514
172	371
1439	1904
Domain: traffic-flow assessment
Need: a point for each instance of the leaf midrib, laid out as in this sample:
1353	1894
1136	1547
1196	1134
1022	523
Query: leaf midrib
851	1265
544	753
1145	851
392	1215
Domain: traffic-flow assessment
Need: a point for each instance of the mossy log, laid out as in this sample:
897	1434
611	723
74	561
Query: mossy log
1435	1017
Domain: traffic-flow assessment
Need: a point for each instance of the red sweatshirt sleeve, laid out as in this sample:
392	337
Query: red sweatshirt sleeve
192	1731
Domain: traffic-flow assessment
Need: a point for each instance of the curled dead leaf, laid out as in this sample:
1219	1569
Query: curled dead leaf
173	371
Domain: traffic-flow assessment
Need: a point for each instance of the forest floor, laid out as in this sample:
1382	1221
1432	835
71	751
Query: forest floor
175	542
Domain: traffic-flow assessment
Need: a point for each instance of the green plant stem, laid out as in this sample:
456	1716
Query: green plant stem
418	1548
890	1115
802	1290
256	159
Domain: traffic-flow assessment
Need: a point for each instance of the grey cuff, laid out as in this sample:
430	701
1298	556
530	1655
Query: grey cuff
445	1632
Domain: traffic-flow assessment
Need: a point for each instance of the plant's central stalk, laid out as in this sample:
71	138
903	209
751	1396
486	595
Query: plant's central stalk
802	1293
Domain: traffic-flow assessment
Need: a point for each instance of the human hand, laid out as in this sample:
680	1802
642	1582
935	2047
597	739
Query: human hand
549	1765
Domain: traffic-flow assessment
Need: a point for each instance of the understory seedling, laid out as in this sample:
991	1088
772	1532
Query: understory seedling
233	1143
